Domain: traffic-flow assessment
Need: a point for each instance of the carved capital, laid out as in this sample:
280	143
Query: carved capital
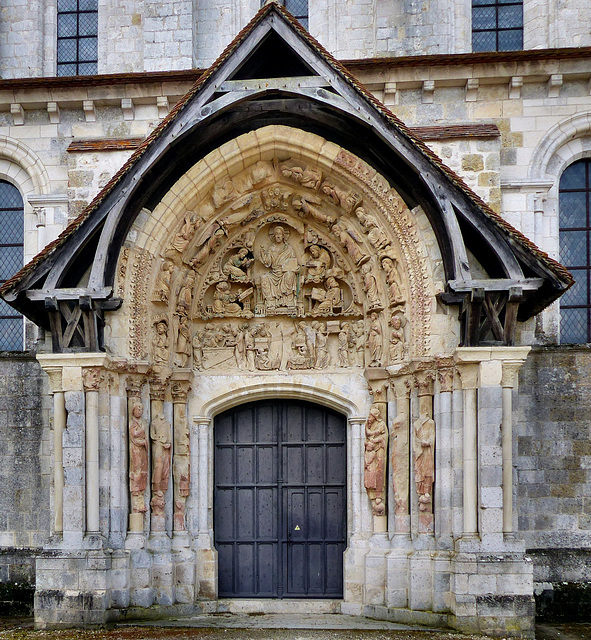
402	386
134	385
180	390
510	371
157	389
446	380
469	375
423	381
377	383
55	378
91	378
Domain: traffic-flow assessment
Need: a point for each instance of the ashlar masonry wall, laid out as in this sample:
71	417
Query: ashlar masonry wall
25	471
553	461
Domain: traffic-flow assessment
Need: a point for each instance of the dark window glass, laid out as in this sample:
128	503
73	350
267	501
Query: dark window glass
575	251
297	8
77	37
11	260
497	25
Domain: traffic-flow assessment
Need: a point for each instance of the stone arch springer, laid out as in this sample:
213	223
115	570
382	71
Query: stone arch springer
559	147
27	171
360	256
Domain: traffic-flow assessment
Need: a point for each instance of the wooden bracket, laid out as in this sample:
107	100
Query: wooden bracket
75	325
489	318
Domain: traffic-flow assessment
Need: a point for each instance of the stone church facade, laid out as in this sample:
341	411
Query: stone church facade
292	325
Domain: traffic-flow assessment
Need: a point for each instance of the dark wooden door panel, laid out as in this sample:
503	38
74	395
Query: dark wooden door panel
280	500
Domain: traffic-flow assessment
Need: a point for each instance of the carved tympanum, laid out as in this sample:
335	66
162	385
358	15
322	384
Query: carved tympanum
274	271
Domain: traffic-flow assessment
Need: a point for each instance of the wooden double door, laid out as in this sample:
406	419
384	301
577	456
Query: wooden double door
280	511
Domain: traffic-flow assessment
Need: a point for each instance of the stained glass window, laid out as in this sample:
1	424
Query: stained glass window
77	37
575	251
11	260
497	25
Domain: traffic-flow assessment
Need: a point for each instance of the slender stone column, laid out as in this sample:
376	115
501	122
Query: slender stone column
399	454
59	424
181	466
443	454
355	454
510	370
469	377
205	554
204	489
91	378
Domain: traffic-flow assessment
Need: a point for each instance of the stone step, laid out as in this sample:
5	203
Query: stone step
285	606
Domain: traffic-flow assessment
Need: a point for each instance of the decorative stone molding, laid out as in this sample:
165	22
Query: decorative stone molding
554	84
471	90
18	114
19	153
515	85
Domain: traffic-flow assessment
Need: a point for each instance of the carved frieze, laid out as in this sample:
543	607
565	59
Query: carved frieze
138	313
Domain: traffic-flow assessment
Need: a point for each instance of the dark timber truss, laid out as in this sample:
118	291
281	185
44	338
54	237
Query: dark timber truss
275	73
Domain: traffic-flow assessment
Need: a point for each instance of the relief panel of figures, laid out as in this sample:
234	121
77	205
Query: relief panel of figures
284	268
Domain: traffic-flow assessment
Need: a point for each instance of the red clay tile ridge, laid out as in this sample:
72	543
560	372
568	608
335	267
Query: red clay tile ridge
121	144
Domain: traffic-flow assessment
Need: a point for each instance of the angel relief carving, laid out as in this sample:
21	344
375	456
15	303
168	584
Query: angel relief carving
276	272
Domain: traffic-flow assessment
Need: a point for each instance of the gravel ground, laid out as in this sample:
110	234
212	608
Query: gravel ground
22	629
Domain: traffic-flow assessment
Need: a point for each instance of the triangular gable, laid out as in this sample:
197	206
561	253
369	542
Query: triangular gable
273	41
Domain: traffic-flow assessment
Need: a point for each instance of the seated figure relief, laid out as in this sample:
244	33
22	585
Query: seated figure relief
237	267
279	283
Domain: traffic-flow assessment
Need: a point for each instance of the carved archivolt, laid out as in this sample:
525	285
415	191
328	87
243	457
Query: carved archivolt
288	264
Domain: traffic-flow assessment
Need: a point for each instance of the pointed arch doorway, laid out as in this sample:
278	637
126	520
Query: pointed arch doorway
280	505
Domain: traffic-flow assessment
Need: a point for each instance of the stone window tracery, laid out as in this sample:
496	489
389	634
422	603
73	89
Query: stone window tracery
11	260
575	251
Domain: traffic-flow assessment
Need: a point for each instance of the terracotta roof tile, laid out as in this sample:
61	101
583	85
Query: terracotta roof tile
123	144
445	132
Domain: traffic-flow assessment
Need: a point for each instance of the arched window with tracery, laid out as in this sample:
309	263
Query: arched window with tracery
11	260
575	251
